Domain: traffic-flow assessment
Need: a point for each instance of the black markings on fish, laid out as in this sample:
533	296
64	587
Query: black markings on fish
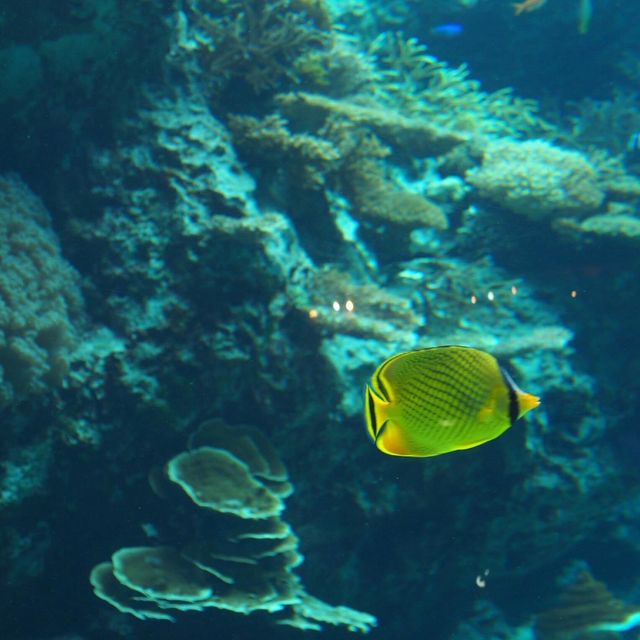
514	409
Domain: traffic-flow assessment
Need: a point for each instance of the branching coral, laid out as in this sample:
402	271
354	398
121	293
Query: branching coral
365	310
233	484
257	41
605	123
344	152
309	156
427	87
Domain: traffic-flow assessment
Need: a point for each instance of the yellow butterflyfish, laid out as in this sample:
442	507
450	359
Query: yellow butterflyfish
585	11
527	5
441	399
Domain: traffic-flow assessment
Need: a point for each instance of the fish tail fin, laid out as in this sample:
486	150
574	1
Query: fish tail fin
522	402
526	402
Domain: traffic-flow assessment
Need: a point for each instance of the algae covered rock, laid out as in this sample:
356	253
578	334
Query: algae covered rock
536	179
40	299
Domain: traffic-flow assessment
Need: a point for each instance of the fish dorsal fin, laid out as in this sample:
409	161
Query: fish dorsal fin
394	370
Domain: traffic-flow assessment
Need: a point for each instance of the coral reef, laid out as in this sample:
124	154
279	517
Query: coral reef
244	557
429	88
257	42
586	609
605	124
537	179
40	300
618	227
416	136
290	198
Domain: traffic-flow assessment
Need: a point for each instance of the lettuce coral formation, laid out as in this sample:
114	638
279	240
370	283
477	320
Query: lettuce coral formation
586	609
244	556
536	179
40	301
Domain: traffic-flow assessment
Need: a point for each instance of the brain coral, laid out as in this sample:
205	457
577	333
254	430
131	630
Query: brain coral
536	179
39	296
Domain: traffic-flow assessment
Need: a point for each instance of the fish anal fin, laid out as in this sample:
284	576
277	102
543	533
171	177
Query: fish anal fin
391	440
471	445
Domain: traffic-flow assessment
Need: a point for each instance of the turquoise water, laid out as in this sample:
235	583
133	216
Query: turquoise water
217	219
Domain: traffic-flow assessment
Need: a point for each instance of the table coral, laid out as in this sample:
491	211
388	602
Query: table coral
244	556
602	230
414	135
215	479
587	609
537	179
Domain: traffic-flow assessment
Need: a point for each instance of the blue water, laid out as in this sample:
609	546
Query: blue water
217	219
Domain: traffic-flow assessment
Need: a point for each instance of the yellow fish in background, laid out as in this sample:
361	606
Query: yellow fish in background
527	5
585	11
433	401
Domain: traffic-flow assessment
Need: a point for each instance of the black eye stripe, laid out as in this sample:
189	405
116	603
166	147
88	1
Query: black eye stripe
372	412
514	409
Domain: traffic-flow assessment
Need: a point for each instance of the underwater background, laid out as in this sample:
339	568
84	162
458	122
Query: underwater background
217	218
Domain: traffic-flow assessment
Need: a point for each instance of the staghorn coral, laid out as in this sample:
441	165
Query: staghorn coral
309	155
256	41
374	312
40	301
427	87
537	179
339	69
244	556
605	123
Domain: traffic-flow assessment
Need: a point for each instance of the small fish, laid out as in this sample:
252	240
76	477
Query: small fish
433	401
633	144
585	11
527	5
449	30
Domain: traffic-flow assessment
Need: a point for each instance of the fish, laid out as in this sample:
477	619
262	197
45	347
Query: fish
449	30
441	399
585	11
633	144
527	5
